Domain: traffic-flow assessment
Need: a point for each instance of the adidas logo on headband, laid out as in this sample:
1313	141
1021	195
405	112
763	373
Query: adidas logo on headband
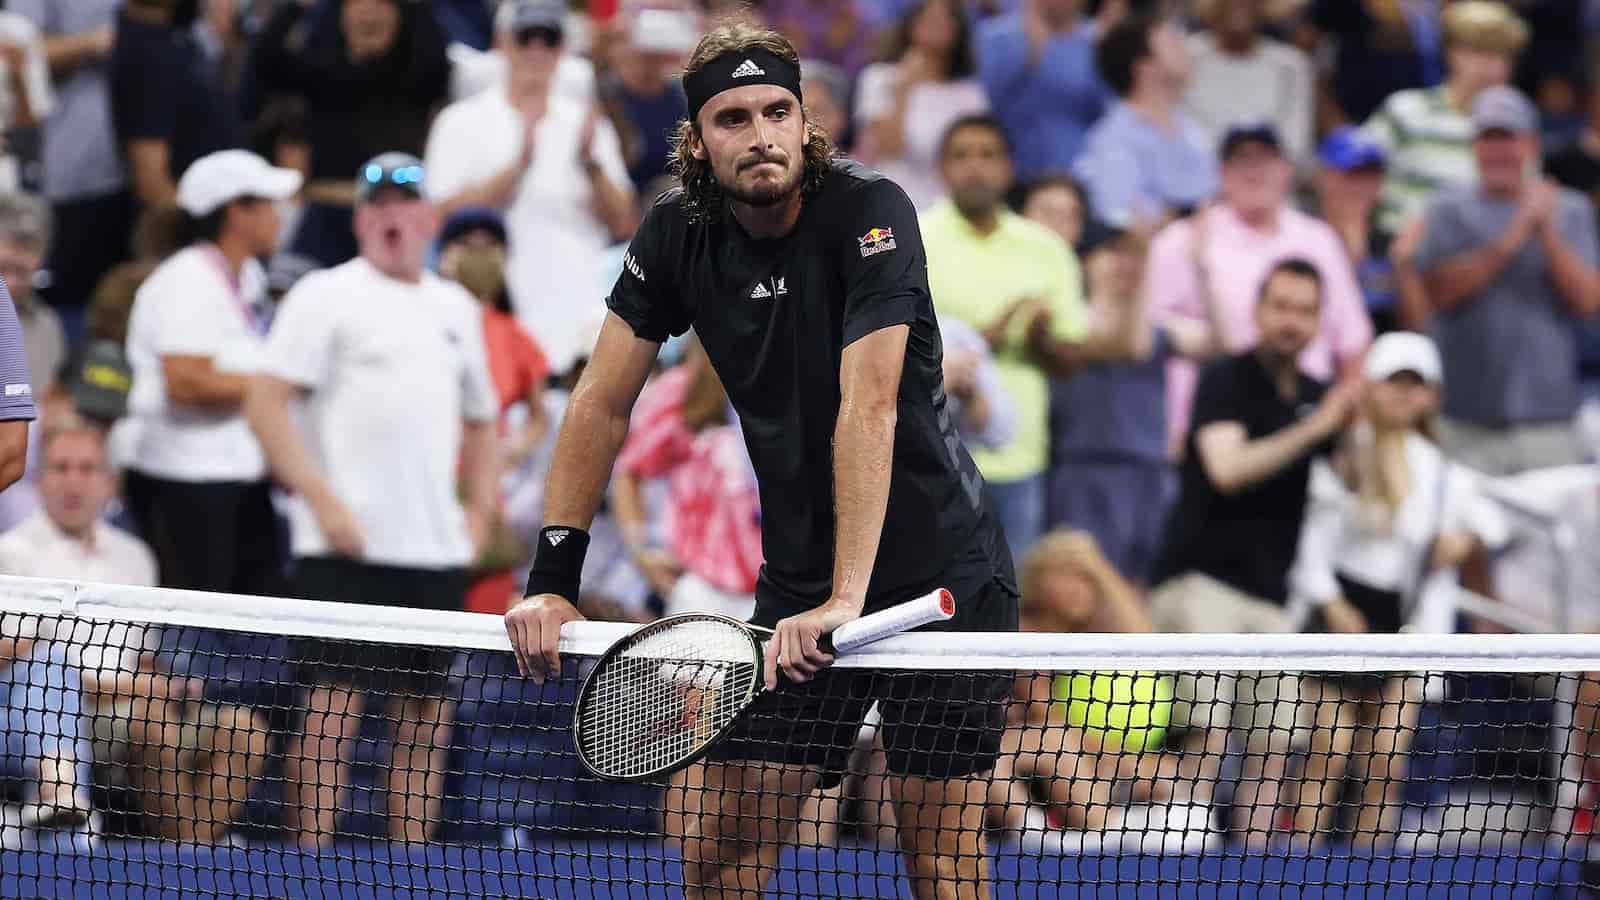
747	69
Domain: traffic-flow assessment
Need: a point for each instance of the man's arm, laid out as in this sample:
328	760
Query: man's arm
1234	462
149	166
1458	279
13	451
66	53
480	475
1575	278
195	381
266	408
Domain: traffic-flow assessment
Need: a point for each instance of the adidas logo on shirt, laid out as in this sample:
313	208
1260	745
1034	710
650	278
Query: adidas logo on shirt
747	69
556	537
761	292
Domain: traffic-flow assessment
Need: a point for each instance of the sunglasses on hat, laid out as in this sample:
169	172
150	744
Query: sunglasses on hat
550	37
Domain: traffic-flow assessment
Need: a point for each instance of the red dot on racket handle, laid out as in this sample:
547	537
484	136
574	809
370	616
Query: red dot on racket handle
947	602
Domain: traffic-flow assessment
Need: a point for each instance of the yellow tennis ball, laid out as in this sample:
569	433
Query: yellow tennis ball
1132	708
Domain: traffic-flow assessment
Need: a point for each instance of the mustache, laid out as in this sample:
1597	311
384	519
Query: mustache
762	156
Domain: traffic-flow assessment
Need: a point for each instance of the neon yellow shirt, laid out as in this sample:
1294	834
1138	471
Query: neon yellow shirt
976	278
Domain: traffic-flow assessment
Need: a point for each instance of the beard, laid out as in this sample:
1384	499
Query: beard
766	192
975	202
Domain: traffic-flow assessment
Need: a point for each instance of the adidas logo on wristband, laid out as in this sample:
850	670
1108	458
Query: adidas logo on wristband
556	537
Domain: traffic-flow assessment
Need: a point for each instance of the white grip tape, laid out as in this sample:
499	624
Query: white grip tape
937	606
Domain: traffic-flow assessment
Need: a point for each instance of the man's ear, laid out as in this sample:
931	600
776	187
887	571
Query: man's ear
697	147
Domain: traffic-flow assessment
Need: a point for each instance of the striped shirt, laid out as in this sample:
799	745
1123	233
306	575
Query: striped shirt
1429	143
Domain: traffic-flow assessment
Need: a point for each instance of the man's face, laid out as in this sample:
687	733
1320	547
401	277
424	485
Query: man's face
532	54
18	264
976	169
370	26
1256	178
1478	69
1236	20
1288	313
75	483
257	219
1058	208
1353	188
394	229
1503	158
1169	51
1113	269
754	140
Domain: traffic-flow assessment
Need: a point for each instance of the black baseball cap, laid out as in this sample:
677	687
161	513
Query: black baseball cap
389	170
98	379
474	218
1097	234
1249	133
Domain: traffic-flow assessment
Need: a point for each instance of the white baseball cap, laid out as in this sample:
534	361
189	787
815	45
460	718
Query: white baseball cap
227	175
1403	351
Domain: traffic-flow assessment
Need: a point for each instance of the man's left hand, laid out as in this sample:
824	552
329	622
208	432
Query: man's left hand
793	647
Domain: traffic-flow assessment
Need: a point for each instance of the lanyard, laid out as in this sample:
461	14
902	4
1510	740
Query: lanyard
254	319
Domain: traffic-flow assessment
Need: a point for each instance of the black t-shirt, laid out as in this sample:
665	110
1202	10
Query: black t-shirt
1247	539
774	317
163	88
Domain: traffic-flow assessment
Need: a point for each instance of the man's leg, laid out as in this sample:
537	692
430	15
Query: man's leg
420	753
745	814
941	834
316	765
233	743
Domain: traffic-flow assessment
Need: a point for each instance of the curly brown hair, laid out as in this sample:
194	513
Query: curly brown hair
702	195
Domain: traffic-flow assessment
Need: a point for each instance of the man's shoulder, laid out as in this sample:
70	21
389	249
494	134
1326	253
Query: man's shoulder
21	539
1456	199
1005	26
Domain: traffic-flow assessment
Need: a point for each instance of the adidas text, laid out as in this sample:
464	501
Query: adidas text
747	69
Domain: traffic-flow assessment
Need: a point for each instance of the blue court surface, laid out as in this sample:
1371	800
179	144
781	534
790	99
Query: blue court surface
581	871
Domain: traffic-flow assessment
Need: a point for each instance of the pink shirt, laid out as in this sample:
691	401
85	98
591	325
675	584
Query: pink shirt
1237	259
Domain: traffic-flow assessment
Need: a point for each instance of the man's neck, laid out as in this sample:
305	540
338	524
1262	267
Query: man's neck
1153	101
408	275
1284	371
235	252
767	222
983	221
1456	94
84	535
525	93
1060	22
1238	44
1259	219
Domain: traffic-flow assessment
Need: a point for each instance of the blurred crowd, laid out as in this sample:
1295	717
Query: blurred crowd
1248	306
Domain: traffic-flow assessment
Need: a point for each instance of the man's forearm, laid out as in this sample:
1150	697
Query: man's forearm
863	451
482	466
497	191
1576	281
1260	459
66	52
266	408
1460	278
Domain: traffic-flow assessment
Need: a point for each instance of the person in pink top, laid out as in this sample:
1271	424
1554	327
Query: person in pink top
1221	253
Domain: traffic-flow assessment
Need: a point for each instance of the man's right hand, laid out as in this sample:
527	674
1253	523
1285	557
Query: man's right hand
534	626
339	527
1338	406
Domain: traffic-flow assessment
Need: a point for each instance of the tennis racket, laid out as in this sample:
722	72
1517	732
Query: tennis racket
668	692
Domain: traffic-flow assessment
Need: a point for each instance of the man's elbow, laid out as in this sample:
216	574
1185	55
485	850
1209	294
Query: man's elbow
13	452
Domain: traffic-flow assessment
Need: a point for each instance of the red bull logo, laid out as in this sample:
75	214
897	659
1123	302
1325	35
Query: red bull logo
876	240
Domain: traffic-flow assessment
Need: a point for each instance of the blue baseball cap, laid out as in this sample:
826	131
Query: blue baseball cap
474	218
1347	148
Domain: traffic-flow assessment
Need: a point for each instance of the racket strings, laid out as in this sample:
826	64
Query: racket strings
662	698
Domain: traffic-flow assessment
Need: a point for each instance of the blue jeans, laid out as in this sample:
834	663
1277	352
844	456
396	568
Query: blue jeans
1019	505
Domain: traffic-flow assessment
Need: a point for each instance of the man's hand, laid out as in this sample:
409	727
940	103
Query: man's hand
339	526
998	333
1338	405
1342	617
101	41
1451	549
534	626
960	373
1541	202
793	647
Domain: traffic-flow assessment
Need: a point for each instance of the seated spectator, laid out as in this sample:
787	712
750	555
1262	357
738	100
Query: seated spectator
1037	64
372	74
1259	420
1372	50
1389	522
827	91
1058	203
26	98
24	238
1348	183
1510	262
167	101
551	163
905	102
1083	772
1241	75
1221	254
1427	132
1109	472
1147	160
642	93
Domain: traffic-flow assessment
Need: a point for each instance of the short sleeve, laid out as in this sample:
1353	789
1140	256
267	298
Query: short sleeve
1443	235
642	296
479	400
1216	398
184	308
16	391
300	344
882	259
1579	229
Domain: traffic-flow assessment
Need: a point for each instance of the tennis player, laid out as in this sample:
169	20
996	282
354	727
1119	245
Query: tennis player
805	279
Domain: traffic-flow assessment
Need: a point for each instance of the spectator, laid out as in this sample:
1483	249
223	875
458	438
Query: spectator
24	238
1510	269
391	358
979	405
1379	48
65	539
25	95
835	31
1232	537
1389	523
1109	474
1221	254
999	273
683	431
554	166
372	77
1038	67
1349	181
1578	166
16	396
905	102
84	178
1146	160
1240	74
167	103
1427	132
1056	202
642	94
827	91
198	482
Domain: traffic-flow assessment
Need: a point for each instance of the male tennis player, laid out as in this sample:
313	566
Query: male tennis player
805	280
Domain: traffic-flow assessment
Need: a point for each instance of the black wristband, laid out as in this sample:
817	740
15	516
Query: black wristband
558	562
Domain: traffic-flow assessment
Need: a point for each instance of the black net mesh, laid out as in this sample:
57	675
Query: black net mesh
168	760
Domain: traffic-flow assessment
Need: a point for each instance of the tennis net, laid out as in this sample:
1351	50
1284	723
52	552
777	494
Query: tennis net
170	743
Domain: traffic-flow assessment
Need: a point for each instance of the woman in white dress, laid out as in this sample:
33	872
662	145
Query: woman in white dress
904	103
1389	523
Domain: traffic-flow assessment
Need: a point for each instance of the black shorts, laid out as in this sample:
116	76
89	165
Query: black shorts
935	724
386	668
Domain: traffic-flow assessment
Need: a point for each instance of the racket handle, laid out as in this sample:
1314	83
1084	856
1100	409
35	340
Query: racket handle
937	606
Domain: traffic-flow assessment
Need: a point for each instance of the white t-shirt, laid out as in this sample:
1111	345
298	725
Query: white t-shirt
556	240
189	307
393	369
930	108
